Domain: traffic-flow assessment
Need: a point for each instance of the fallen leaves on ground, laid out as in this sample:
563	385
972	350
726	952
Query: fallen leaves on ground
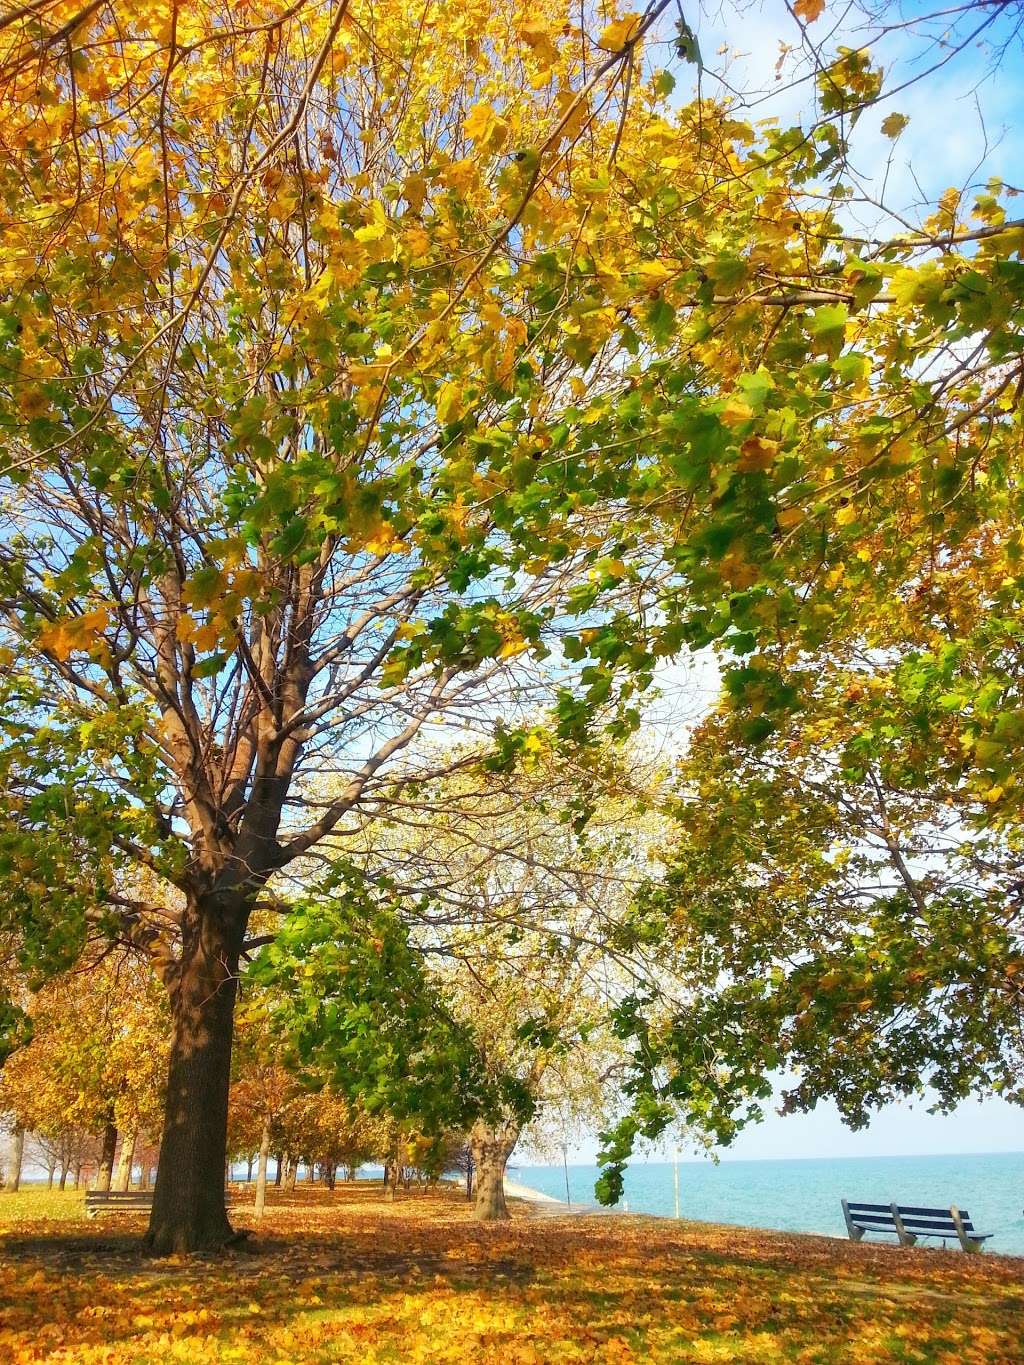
346	1277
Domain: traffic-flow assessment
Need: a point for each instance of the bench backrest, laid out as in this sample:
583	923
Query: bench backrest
921	1222
118	1196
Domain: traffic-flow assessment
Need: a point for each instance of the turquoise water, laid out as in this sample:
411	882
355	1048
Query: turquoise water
804	1195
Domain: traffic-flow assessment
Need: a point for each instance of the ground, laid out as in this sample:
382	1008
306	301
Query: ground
346	1277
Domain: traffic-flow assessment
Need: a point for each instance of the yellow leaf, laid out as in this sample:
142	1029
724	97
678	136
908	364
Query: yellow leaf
735	413
449	402
894	125
538	39
375	229
809	10
617	34
484	127
414	188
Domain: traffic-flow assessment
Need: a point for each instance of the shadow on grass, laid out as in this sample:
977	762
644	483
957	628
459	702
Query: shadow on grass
350	1278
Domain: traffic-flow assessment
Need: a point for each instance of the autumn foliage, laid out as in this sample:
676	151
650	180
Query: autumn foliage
344	1277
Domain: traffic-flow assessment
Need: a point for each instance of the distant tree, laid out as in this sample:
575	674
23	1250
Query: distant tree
518	887
94	1065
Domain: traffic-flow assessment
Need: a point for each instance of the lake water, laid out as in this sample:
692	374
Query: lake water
804	1195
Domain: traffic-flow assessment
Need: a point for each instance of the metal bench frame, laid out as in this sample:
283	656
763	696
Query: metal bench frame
909	1223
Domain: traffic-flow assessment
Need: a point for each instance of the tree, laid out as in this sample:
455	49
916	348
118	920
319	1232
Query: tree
839	920
95	1063
517	886
269	521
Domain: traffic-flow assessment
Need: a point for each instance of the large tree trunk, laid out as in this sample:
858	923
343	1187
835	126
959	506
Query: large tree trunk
189	1207
17	1157
491	1148
105	1173
261	1171
126	1161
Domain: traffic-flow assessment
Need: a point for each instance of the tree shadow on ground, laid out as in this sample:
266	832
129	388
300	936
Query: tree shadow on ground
350	1278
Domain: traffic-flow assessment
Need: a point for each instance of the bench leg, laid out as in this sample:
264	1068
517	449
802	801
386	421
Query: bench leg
966	1240
855	1232
907	1239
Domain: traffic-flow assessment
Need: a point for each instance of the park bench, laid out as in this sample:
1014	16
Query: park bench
98	1200
910	1223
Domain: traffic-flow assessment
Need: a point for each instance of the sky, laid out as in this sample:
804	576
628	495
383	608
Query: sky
966	118
990	1125
966	124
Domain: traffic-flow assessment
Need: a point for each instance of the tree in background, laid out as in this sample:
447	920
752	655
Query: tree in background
95	1065
516	885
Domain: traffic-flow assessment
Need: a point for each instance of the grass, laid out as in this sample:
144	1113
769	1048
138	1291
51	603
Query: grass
348	1278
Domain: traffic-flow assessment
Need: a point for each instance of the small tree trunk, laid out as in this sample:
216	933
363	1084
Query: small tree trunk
125	1162
144	1175
189	1207
278	1162
311	1172
291	1170
17	1157
469	1179
261	1171
106	1167
78	1175
492	1148
248	1170
350	1173
392	1175
49	1175
65	1166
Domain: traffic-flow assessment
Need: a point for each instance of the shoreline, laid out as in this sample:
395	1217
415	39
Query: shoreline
526	1192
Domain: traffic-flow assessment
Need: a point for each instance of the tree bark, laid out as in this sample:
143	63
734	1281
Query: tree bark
261	1170
126	1161
17	1157
106	1167
278	1163
65	1167
492	1148
392	1175
49	1176
291	1170
248	1169
189	1206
